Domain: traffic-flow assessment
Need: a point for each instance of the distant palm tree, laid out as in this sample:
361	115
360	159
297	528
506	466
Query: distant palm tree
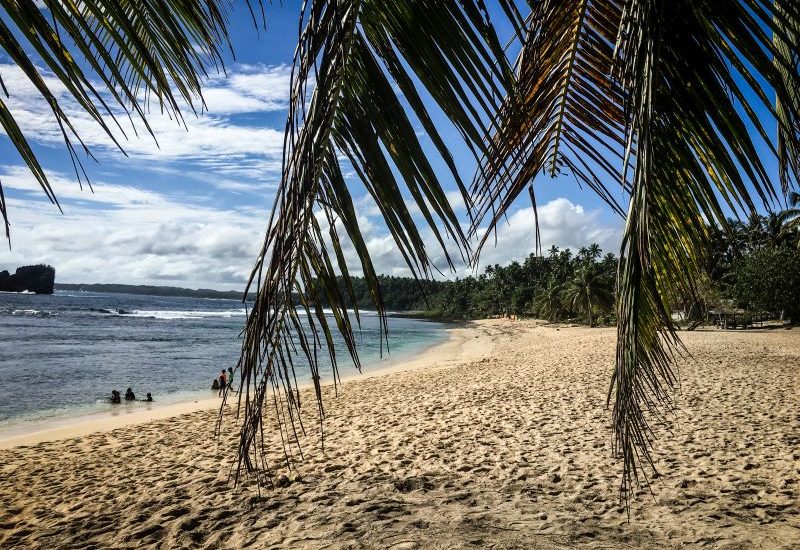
588	292
791	217
656	101
548	303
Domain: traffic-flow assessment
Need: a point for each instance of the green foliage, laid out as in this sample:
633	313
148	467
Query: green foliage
769	280
735	254
738	240
791	218
588	292
555	287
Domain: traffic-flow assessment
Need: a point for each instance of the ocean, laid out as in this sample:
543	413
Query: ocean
62	354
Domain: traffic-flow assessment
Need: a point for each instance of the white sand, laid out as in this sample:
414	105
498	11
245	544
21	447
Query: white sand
501	440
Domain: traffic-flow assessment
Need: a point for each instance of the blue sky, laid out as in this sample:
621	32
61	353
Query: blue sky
192	211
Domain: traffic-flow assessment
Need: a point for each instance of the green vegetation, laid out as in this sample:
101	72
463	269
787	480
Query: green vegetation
769	280
752	264
581	284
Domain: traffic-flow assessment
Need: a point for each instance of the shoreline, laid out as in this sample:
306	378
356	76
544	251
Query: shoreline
81	425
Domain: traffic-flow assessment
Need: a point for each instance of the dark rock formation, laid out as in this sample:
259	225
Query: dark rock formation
33	278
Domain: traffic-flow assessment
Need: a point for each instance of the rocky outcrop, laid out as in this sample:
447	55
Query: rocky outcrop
31	278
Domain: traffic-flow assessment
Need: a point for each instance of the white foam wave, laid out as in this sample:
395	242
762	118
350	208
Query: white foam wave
189	314
200	314
32	312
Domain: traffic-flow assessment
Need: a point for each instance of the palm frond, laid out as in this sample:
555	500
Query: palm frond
566	112
786	36
112	57
368	59
672	97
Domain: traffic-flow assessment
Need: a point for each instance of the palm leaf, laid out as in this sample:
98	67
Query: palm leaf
686	75
371	61
132	52
786	36
565	109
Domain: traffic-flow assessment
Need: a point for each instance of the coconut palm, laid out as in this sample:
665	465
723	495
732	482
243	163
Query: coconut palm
588	292
657	102
548	303
661	97
791	217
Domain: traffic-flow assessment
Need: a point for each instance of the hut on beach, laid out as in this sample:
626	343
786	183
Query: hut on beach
733	318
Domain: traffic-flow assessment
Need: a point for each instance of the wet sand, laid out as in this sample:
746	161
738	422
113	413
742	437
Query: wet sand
499	438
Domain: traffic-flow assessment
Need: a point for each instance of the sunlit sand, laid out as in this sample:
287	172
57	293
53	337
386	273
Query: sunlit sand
499	437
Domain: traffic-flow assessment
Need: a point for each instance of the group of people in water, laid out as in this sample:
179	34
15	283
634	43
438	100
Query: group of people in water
223	381
129	396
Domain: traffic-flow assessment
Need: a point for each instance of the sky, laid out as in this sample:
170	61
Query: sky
191	207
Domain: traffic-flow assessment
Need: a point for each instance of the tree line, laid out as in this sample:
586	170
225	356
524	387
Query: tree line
752	264
557	285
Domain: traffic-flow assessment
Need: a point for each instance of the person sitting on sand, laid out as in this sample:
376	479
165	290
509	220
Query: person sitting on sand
149	398
223	382
115	397
215	384
129	396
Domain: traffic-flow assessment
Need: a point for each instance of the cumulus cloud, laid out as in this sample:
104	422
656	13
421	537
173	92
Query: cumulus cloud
561	223
126	234
129	232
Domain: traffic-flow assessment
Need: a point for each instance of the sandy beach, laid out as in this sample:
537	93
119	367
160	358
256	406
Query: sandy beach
497	439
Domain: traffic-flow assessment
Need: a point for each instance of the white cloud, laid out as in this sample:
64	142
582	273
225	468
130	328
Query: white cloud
561	223
214	138
126	234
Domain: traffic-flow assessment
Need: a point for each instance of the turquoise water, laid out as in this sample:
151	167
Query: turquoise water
61	355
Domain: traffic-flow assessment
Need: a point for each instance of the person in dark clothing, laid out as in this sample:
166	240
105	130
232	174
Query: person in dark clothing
115	399
129	396
149	398
223	382
215	384
230	378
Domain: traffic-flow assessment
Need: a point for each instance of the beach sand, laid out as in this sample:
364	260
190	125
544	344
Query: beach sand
498	439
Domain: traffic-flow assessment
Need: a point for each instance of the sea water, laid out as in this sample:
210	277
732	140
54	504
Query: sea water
62	354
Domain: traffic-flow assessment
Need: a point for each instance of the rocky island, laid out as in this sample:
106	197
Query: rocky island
30	278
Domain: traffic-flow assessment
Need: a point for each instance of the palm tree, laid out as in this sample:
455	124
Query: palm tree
791	218
656	101
588	292
548	303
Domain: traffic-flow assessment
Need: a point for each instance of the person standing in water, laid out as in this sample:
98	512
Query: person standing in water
223	383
